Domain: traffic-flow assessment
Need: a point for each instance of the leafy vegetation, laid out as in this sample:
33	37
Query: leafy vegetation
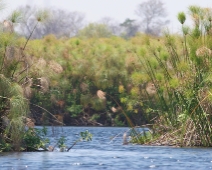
14	82
180	69
96	78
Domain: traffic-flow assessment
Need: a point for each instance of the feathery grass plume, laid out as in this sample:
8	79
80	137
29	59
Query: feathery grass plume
15	17
16	89
135	91
195	11
44	83
42	15
16	127
153	63
113	109
185	30
27	87
203	51
174	83
139	78
101	94
151	89
121	89
183	66
30	123
8	26
18	107
159	77
56	67
131	63
41	63
5	83
99	103
28	92
7	39
13	53
181	17
164	55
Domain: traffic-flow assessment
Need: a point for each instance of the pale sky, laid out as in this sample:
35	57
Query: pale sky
94	10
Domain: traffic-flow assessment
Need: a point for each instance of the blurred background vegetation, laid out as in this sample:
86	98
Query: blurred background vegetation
57	71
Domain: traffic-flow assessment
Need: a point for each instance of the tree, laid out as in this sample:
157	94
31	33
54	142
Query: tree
153	14
60	23
131	28
112	25
64	23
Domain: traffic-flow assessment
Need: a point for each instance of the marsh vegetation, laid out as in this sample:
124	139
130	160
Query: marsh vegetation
160	82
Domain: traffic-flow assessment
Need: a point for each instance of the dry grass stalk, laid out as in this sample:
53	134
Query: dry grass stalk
183	136
190	136
27	87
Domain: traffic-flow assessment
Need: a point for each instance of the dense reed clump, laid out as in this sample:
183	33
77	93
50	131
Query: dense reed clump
180	69
15	88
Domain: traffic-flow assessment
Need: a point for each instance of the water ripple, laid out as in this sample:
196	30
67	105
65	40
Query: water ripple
104	153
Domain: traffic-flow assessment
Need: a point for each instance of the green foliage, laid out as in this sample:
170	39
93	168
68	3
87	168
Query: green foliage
42	15
61	142
142	138
182	96
15	17
118	122
181	17
95	31
185	30
165	79
75	110
95	117
34	139
15	85
86	136
5	147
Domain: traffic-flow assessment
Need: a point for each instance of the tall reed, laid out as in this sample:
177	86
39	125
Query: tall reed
184	109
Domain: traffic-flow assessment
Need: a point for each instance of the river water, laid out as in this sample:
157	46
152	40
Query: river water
106	151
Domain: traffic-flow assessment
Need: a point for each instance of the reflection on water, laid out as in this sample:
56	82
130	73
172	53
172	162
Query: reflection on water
106	151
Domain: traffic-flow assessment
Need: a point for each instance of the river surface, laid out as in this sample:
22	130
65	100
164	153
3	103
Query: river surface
106	151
